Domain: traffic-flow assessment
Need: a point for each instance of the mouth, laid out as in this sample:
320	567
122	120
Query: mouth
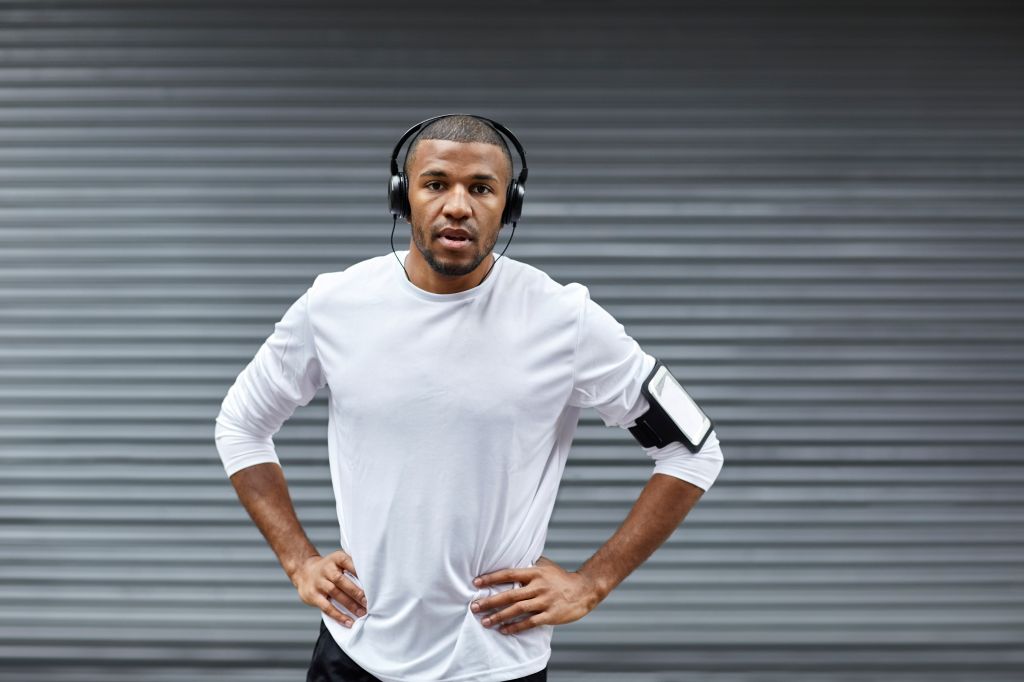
455	239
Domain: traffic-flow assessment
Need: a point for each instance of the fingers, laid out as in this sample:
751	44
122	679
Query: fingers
504	575
496	601
346	593
345	584
525	624
532	608
325	582
327	607
343	560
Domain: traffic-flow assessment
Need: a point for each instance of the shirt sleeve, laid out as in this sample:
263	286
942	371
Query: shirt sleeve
608	371
284	374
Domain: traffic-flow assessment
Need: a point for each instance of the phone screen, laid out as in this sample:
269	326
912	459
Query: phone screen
679	406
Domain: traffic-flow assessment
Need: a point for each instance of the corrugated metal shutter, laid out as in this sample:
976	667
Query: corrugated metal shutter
812	215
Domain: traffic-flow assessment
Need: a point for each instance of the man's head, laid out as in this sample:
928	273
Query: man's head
459	128
458	170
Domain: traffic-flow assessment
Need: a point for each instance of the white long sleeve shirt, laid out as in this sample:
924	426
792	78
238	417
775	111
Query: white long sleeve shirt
450	421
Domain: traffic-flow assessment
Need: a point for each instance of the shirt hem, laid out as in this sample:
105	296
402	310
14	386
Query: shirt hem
508	672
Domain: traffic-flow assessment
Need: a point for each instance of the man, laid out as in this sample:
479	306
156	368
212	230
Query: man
456	382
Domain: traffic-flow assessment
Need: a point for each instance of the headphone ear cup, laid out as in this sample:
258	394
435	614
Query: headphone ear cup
406	209
513	203
398	196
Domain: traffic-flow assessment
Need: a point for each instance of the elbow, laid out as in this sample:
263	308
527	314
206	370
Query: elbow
712	453
700	468
240	448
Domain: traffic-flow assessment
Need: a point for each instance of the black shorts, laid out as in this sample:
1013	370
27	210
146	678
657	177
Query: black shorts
331	664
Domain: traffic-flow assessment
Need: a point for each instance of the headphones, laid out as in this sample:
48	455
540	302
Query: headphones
398	187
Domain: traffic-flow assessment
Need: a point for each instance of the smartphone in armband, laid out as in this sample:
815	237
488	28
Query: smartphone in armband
673	415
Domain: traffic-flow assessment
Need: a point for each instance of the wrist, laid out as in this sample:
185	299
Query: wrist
600	587
293	566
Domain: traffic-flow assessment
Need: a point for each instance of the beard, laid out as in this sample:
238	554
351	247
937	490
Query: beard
451	267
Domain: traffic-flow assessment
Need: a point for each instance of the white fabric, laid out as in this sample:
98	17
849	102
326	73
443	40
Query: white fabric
450	420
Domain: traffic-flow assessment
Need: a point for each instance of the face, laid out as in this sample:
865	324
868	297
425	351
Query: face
457	188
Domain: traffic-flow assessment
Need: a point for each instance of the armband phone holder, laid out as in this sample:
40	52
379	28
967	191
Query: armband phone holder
673	414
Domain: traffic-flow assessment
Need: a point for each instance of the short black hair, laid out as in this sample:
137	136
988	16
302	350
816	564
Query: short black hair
459	128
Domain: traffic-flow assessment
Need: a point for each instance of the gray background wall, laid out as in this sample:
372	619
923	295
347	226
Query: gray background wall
812	214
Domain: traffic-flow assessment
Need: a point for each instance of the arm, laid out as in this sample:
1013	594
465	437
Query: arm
284	374
264	493
663	504
551	595
680	479
608	370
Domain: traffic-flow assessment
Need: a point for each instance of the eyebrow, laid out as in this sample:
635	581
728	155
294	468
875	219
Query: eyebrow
436	173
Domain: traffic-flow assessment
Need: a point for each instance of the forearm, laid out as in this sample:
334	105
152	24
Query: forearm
263	492
661	507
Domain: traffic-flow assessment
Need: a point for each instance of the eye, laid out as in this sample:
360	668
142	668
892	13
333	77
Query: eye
430	185
487	189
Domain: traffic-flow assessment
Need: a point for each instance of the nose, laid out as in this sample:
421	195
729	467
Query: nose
456	204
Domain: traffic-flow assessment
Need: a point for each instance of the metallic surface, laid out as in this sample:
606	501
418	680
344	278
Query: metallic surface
812	214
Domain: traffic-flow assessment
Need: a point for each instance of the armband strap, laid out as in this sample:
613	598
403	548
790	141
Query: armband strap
645	434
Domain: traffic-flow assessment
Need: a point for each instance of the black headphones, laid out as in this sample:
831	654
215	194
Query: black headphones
398	187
